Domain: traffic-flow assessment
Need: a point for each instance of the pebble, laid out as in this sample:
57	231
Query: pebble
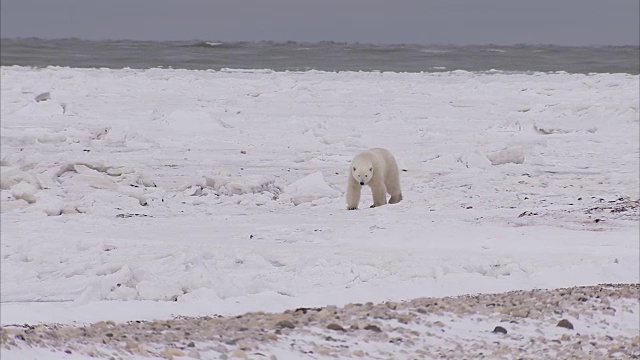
336	327
221	349
565	324
391	305
285	324
322	350
238	354
404	318
323	314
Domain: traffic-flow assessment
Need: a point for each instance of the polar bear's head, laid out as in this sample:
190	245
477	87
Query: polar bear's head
362	171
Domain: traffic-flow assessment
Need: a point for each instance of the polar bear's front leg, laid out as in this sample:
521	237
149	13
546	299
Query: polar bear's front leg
379	192
353	194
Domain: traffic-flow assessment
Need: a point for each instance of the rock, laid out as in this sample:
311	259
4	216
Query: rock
565	324
321	350
238	354
499	330
391	305
93	351
323	314
191	344
515	312
101	325
521	313
43	97
136	348
404	318
169	353
336	327
373	328
285	324
609	311
245	345
221	349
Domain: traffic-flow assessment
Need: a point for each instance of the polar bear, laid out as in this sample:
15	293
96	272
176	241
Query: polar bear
377	168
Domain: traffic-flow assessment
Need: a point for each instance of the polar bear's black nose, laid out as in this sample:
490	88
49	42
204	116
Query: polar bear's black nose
361	182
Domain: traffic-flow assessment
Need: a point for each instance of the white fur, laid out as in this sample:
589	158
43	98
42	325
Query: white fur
377	168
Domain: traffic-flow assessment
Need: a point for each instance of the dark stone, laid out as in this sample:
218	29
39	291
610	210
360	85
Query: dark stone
304	310
336	327
499	330
565	324
373	328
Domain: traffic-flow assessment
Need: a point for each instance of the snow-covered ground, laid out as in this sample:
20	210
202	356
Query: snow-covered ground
139	195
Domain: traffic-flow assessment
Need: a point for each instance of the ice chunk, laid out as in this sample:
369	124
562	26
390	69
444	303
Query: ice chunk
512	154
311	187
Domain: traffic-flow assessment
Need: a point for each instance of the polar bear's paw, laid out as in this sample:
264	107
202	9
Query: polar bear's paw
395	199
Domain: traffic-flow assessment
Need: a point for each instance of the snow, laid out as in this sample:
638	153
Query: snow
148	194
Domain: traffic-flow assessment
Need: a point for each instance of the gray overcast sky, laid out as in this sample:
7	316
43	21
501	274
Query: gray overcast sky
561	22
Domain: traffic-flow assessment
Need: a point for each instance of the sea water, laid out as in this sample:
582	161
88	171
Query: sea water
324	56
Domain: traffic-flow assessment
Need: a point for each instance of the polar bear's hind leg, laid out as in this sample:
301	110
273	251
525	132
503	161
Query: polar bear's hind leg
379	193
393	187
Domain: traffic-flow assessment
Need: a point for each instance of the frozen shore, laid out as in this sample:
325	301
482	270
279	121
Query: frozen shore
158	194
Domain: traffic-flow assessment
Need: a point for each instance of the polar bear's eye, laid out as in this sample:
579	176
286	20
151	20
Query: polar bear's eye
370	169
354	169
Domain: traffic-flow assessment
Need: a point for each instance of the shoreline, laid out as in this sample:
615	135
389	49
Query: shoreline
587	322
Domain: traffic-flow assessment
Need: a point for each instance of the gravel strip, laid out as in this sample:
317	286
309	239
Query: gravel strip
592	322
